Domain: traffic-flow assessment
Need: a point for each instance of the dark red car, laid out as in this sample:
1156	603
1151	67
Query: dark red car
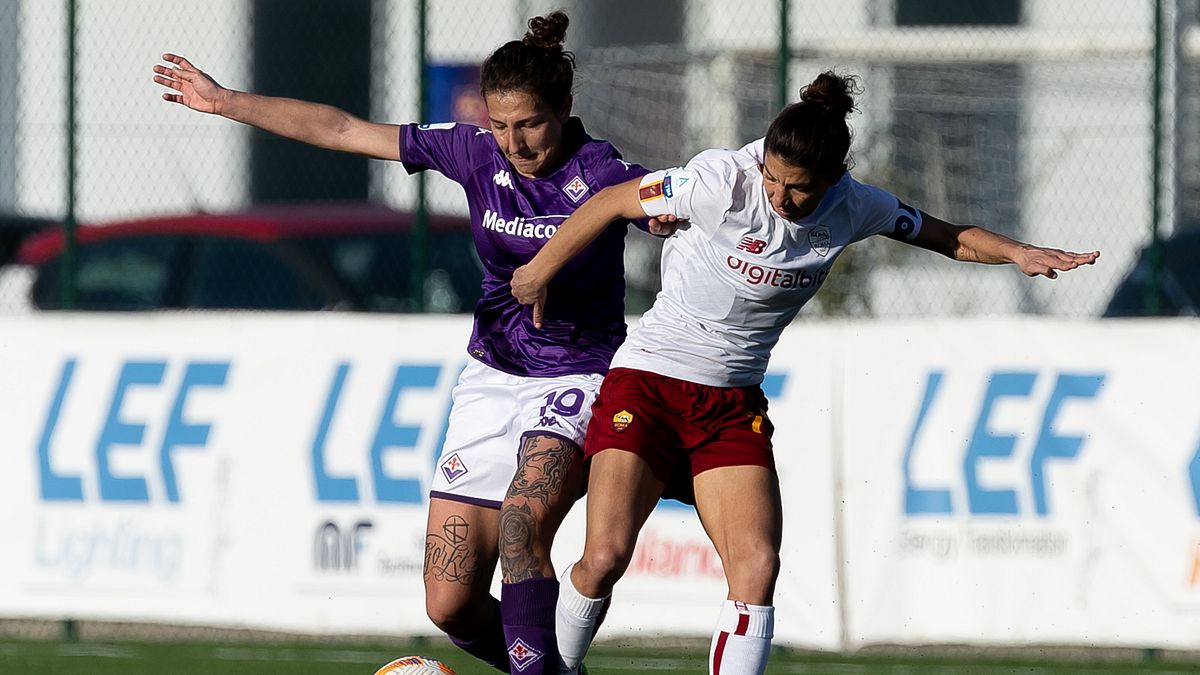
305	257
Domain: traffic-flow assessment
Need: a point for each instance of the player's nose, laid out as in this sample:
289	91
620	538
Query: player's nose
515	143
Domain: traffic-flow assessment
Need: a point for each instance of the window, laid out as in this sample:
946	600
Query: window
117	274
377	268
241	274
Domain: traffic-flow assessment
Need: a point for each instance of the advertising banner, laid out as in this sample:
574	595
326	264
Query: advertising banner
991	482
1022	483
272	471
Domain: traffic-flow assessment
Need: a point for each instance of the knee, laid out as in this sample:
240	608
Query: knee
752	572
453	615
603	564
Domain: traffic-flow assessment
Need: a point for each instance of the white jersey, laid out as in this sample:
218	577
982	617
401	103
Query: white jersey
737	276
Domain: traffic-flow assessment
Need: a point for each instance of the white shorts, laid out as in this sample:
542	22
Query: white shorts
491	413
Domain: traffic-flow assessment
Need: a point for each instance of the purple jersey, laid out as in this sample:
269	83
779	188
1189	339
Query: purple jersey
512	217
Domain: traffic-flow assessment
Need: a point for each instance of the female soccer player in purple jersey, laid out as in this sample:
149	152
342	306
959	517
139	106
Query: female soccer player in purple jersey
767	222
511	465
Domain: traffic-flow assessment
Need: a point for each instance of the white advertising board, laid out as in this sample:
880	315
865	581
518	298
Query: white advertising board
1035	482
986	482
271	471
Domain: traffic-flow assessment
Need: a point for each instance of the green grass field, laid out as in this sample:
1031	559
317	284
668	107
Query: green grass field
27	657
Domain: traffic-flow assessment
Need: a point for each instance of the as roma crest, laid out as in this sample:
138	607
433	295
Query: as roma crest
622	420
818	240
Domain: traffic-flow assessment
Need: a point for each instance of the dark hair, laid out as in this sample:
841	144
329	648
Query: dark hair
813	133
537	64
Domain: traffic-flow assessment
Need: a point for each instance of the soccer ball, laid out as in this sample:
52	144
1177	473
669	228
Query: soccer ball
415	665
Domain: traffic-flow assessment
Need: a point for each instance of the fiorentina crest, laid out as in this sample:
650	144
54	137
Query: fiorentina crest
522	655
576	189
453	468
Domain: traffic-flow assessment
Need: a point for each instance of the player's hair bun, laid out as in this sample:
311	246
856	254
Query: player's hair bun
537	64
832	92
547	32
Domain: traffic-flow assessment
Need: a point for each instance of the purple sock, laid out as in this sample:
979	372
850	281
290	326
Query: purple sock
527	608
489	646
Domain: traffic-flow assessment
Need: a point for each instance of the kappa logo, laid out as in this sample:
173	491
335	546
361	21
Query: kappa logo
453	468
818	240
503	179
752	245
622	420
576	189
481	130
437	125
523	655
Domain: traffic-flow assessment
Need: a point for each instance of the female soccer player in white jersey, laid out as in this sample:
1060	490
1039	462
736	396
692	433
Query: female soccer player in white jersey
767	223
511	465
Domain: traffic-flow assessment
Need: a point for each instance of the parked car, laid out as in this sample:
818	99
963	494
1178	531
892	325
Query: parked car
299	257
1178	280
15	280
16	228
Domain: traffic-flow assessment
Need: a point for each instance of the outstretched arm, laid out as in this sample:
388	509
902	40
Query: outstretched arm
977	244
576	232
313	123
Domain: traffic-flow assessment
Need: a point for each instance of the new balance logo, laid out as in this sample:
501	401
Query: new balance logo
752	245
503	179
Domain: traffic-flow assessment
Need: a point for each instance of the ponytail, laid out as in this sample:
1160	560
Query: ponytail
813	133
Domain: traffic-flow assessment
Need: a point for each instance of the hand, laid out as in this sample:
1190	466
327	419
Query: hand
665	225
529	289
196	90
1047	262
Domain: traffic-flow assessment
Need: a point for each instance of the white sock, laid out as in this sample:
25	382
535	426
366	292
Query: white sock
742	641
575	620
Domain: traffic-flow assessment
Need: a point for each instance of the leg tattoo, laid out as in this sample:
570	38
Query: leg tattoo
517	533
542	474
447	556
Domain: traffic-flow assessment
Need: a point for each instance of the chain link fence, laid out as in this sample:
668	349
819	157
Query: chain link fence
1030	117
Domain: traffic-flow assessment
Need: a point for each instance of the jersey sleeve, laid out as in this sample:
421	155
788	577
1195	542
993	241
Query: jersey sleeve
612	170
877	211
701	192
756	150
450	148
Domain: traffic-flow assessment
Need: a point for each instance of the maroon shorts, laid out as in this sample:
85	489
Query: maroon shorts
680	428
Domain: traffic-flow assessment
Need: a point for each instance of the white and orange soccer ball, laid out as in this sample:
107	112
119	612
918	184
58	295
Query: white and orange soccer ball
415	665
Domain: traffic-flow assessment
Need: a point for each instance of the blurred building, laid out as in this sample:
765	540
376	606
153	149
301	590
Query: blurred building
1030	117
